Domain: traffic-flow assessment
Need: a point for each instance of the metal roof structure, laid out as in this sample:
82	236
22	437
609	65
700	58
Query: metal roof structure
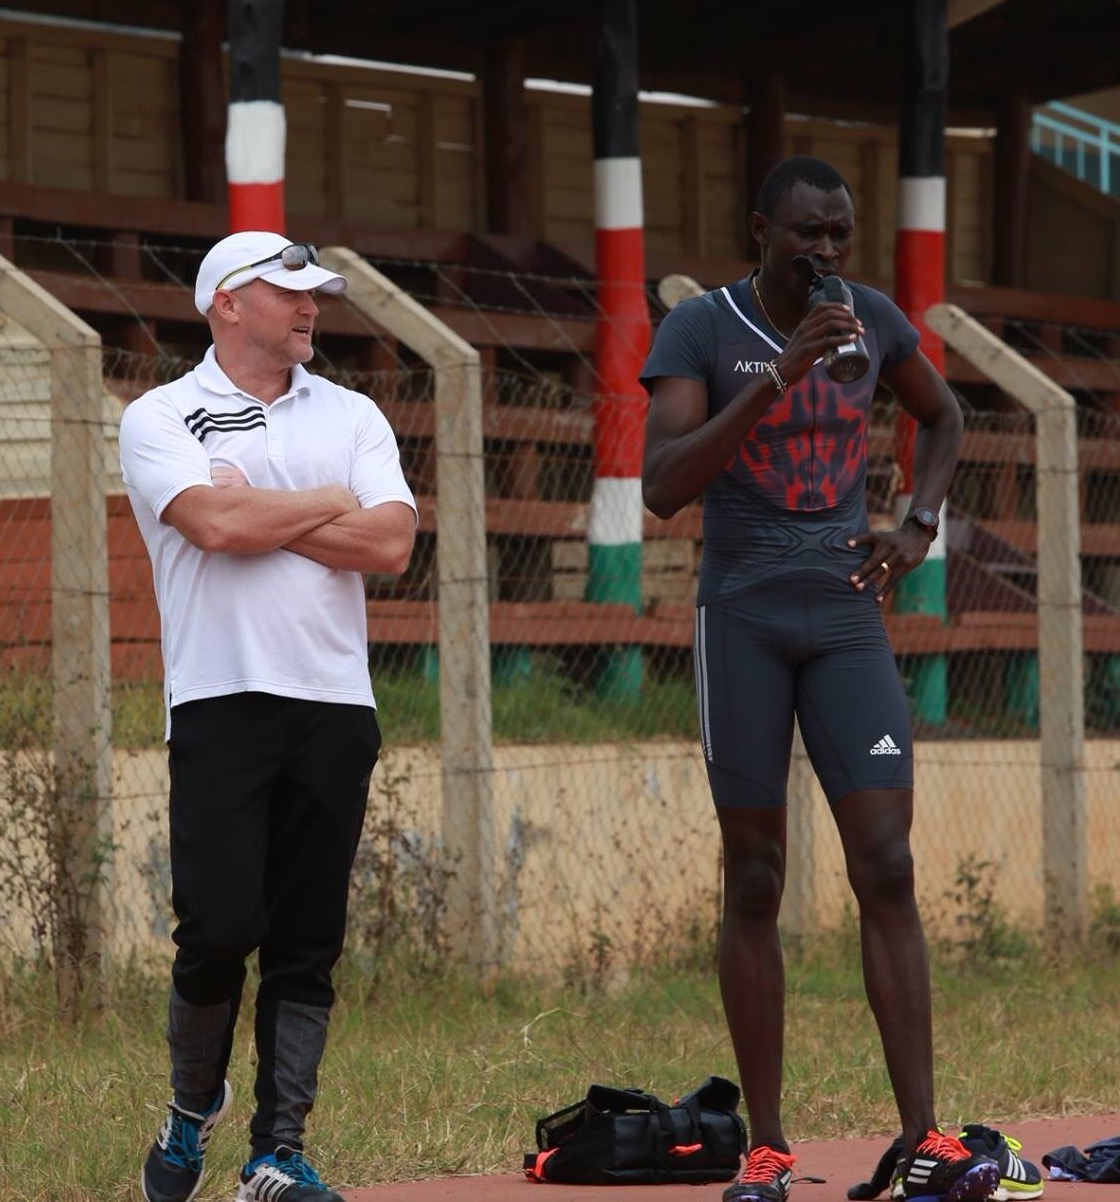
840	61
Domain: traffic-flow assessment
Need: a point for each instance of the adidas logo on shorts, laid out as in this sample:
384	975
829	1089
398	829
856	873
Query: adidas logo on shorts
886	746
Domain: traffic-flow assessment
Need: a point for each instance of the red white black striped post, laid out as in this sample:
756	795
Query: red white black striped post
256	130
920	238
919	283
623	334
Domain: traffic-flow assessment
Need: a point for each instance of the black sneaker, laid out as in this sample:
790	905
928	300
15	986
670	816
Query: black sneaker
943	1167
767	1176
173	1170
1018	1178
283	1176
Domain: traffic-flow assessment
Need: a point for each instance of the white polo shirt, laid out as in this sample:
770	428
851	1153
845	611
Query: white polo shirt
277	622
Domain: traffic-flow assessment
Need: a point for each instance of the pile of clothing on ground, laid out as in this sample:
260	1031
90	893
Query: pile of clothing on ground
1099	1162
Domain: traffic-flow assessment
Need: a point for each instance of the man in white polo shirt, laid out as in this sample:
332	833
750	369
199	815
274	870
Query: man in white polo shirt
263	494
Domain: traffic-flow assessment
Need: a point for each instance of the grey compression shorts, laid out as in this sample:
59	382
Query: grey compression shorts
806	642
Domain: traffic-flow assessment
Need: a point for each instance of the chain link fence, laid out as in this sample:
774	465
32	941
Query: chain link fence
600	849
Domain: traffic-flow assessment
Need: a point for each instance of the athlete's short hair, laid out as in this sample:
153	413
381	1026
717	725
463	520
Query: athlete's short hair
799	169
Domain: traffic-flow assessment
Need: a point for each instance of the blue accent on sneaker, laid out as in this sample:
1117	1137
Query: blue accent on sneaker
173	1169
975	1184
283	1176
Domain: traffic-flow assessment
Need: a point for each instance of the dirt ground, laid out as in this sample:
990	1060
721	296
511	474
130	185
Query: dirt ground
840	1162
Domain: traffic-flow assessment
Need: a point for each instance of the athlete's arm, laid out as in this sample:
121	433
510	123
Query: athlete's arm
685	452
921	391
249	521
378	539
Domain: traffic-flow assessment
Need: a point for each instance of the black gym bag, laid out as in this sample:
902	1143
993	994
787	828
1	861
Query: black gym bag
627	1137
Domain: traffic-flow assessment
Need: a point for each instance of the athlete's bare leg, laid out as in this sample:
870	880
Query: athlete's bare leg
751	972
874	828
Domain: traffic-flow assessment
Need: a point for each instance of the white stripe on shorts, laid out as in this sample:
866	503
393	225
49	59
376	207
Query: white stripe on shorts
700	670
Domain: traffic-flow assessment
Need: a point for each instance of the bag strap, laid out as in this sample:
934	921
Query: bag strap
663	1137
611	1100
714	1093
535	1164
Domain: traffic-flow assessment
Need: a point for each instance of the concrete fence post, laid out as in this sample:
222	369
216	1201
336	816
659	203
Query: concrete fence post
1060	642
468	823
82	755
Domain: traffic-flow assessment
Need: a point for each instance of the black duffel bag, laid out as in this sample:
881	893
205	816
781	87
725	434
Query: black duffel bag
627	1137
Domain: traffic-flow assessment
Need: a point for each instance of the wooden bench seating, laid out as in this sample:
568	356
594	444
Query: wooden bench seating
1000	616
553	624
1098	539
563	623
1066	335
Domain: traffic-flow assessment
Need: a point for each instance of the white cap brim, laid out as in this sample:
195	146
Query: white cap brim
307	279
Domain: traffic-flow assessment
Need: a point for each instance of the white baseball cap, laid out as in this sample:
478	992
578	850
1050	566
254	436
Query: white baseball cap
259	255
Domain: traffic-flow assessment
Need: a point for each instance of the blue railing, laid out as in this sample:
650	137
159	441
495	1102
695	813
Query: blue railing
1081	142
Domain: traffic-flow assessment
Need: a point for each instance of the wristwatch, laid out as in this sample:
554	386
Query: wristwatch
926	518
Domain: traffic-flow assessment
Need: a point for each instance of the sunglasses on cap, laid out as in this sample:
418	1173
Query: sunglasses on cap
295	256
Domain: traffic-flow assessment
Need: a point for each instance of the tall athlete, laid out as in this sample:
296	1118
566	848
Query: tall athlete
744	413
263	492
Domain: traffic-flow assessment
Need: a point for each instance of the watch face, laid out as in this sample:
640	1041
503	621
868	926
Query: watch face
926	518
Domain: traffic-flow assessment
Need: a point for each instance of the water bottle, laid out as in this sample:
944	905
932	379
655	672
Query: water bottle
849	361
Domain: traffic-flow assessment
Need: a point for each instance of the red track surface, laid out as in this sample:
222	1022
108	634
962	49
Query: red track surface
840	1162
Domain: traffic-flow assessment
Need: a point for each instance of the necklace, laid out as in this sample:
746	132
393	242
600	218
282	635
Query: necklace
758	297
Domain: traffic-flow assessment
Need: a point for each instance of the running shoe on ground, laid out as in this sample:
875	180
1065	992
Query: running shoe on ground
173	1170
943	1167
1018	1178
283	1176
766	1177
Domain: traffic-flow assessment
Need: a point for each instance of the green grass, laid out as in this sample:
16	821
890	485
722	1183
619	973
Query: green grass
544	707
541	700
138	714
536	698
426	1076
